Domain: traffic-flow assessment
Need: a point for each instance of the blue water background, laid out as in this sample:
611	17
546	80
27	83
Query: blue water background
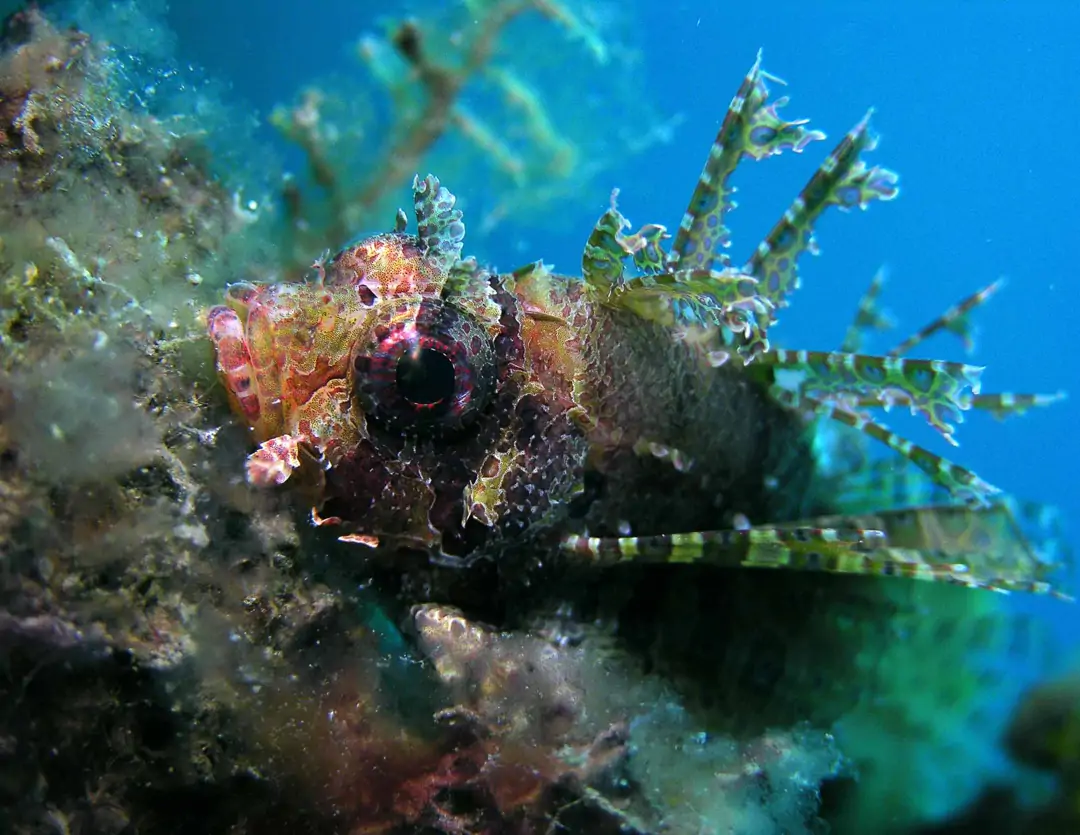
976	104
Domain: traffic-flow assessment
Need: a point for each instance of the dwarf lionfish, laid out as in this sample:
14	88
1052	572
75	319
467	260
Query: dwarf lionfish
425	402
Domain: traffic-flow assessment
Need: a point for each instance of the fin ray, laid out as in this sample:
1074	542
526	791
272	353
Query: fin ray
750	128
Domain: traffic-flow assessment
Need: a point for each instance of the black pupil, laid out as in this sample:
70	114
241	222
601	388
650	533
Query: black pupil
425	377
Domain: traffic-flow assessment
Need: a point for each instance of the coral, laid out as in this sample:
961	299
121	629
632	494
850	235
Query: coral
459	775
458	89
769	784
519	686
58	408
111	217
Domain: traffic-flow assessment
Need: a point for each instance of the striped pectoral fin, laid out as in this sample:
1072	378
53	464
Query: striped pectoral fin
1008	404
1002	405
988	540
1042	526
817	549
963	570
842	180
938	390
751	129
960	482
829	550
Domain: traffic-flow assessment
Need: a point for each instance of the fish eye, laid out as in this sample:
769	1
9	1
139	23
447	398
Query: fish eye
426	377
430	366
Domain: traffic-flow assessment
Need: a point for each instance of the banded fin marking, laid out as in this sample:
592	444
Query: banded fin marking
955	320
829	550
938	390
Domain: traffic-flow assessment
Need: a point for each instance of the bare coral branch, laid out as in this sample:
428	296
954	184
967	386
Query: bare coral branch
428	71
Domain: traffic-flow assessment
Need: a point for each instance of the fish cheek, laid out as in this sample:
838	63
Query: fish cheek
508	485
376	492
549	469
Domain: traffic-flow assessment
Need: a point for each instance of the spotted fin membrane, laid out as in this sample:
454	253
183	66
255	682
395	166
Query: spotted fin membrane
971	537
439	225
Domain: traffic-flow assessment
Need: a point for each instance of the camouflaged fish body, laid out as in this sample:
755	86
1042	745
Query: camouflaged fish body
635	413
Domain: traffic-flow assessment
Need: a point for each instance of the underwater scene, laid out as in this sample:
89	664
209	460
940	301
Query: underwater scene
538	417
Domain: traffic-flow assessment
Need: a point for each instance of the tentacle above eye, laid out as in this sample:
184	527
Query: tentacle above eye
439	224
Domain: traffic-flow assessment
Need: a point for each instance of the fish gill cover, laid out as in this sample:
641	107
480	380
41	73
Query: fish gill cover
408	541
